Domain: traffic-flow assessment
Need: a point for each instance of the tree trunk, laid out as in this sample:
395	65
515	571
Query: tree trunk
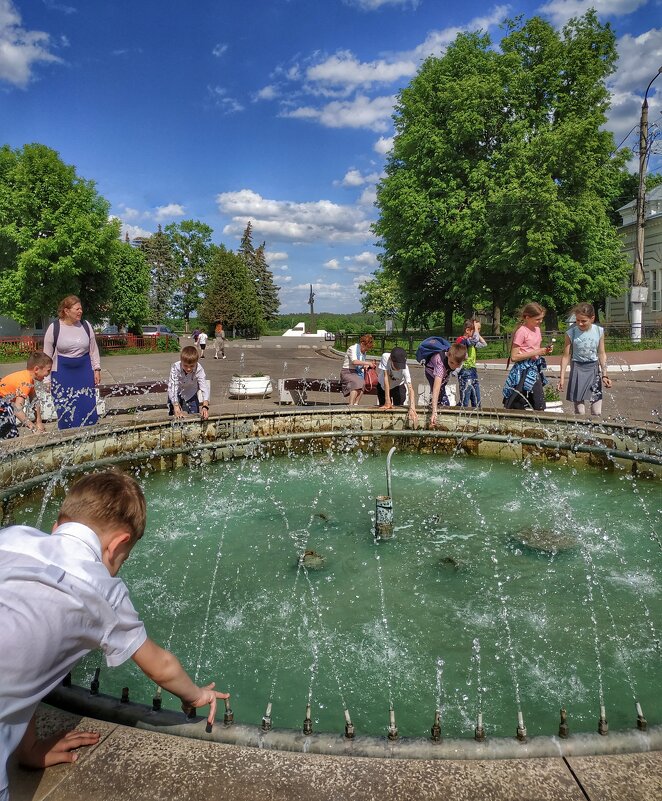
496	316
448	319
405	321
551	321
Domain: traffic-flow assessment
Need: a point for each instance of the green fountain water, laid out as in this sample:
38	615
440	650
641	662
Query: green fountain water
507	586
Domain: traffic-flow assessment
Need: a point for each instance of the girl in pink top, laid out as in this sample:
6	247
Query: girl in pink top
527	340
524	385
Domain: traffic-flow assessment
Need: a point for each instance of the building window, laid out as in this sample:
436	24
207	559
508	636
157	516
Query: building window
655	289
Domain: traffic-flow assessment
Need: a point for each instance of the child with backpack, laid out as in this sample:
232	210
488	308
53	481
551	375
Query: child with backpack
467	378
524	385
440	359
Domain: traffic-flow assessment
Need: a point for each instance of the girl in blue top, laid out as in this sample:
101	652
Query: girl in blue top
585	350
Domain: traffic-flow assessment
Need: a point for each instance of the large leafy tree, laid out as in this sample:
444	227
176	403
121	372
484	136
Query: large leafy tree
163	275
129	304
501	177
230	294
55	236
191	245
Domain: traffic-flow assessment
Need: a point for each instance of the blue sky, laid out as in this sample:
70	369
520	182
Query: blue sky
274	111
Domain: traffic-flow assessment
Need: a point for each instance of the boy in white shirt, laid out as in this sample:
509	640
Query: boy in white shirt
393	378
60	599
202	343
187	377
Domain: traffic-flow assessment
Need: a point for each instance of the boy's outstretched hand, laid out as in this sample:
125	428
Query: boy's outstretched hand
54	750
207	695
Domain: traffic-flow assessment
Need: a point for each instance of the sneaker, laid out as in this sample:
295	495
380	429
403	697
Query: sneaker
225	357
216	356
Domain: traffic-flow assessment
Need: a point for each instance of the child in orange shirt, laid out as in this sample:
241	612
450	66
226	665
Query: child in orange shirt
17	388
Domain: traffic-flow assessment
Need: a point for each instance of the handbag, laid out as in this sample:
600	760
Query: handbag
369	379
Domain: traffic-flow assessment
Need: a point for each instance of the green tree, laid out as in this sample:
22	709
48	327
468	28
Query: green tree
190	241
55	236
129	304
163	275
230	294
267	291
383	297
502	176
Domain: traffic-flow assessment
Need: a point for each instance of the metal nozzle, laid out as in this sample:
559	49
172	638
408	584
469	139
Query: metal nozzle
94	684
564	730
521	728
435	731
228	715
266	720
349	726
479	733
603	726
642	723
156	701
125	695
307	722
392	728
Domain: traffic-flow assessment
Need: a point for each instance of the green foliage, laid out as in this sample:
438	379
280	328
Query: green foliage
128	305
230	294
501	179
255	261
190	242
55	236
163	275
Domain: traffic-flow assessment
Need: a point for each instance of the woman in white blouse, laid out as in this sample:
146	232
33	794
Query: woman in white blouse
70	342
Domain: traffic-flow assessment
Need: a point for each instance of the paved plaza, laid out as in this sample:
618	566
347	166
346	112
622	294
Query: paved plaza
135	764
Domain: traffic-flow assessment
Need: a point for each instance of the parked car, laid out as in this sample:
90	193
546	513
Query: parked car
110	330
159	331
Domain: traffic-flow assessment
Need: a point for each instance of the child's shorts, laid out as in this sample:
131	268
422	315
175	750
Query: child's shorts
8	425
190	406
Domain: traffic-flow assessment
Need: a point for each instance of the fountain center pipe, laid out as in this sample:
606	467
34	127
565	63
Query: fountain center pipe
384	506
388	471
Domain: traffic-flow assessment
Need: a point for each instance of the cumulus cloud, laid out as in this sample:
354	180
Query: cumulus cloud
276	255
219	49
639	57
383	145
360	112
168	211
284	220
354	178
134	232
345	70
560	11
332	264
20	49
269	92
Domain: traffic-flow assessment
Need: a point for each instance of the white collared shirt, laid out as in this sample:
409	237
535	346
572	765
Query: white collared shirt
58	602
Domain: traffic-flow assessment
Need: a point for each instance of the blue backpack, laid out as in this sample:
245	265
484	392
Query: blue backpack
429	347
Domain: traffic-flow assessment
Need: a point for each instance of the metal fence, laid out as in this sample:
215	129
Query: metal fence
25	345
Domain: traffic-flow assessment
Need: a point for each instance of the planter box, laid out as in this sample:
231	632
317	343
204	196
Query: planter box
248	386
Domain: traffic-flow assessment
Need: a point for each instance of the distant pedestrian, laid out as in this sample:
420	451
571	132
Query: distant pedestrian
202	343
585	350
219	340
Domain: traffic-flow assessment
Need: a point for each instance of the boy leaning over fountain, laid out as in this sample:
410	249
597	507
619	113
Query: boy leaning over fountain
187	378
17	389
60	599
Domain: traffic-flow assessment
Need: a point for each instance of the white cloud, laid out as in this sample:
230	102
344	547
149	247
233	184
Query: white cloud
639	57
367	258
168	211
284	220
135	231
267	93
219	49
284	279
345	70
272	256
368	196
20	49
361	112
560	11
332	264
59	7
128	213
354	178
374	5
383	145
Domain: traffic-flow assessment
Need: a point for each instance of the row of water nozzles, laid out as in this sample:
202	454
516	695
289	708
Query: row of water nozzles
392	731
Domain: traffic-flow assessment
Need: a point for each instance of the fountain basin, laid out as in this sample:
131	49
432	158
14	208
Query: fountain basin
629	456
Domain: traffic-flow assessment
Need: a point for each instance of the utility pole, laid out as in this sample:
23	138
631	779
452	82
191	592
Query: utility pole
639	289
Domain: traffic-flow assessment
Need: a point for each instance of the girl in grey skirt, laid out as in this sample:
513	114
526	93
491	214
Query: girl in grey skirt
585	350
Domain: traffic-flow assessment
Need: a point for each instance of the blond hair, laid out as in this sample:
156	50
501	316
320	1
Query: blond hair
458	351
104	501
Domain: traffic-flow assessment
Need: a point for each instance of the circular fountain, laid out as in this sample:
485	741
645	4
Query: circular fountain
514	585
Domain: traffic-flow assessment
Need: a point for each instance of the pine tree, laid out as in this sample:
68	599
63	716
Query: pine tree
163	275
230	294
267	291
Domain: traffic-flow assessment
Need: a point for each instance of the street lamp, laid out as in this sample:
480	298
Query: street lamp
639	290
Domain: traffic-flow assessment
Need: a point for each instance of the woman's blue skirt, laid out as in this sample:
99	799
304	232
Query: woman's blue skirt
74	396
